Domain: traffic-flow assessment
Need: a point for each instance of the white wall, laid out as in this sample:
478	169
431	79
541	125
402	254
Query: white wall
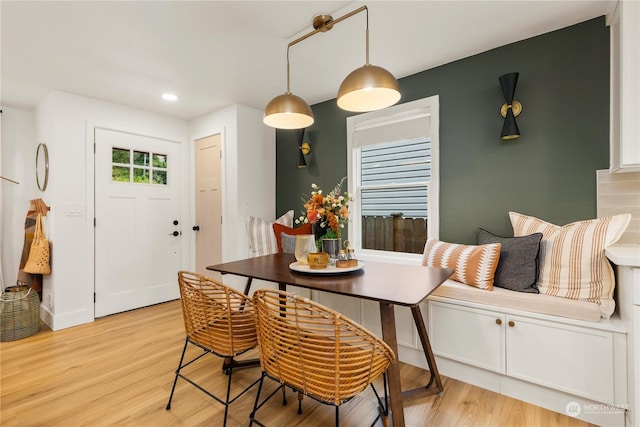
18	154
249	168
66	122
249	177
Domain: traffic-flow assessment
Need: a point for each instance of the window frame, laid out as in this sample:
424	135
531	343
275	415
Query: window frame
425	107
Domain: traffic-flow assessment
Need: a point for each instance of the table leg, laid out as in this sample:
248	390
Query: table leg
248	286
431	361
387	319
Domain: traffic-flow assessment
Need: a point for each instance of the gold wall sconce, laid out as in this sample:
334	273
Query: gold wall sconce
511	108
367	88
304	148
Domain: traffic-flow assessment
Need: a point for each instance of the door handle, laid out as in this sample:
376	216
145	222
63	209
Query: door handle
175	233
196	228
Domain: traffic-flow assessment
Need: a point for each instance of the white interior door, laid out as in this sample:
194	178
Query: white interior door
138	225
208	177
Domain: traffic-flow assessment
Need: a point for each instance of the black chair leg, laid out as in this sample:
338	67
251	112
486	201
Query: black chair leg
255	404
226	405
300	397
337	416
175	380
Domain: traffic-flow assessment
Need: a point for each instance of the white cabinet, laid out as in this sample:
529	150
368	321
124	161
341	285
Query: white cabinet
571	359
625	87
478	337
627	262
564	357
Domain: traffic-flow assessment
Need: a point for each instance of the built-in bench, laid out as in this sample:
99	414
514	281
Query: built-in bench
553	352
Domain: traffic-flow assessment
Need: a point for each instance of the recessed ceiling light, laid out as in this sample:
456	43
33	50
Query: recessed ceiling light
169	97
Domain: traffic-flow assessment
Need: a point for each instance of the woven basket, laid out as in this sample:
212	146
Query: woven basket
19	313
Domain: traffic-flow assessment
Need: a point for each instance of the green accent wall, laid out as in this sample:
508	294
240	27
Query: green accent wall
549	172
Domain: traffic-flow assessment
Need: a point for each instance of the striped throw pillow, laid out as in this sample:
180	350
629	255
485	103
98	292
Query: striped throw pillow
572	260
472	265
262	239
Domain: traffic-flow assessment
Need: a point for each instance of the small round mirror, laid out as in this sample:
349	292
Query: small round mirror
42	166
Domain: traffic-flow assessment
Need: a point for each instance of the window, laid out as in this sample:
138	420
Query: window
138	166
393	174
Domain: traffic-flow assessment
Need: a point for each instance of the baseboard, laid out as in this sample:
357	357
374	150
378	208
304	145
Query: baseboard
56	322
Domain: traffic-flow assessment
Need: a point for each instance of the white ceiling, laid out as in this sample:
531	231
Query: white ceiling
215	53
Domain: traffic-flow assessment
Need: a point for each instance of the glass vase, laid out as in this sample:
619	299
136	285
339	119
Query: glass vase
331	246
305	244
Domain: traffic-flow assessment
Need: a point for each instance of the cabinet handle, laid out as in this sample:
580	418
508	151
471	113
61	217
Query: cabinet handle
498	321
512	323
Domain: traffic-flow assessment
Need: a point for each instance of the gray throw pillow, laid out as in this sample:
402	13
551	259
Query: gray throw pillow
288	243
518	266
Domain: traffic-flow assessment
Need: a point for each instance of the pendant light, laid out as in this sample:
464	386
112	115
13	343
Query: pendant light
288	111
367	88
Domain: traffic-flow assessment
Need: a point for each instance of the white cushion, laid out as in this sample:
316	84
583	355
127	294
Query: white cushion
512	300
572	260
262	238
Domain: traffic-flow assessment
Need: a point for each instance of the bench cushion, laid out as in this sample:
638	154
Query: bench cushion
536	303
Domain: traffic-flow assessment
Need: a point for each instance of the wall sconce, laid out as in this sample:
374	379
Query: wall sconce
511	108
367	88
304	148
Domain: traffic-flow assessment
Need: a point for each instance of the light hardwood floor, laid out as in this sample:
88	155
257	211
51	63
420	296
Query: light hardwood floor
118	371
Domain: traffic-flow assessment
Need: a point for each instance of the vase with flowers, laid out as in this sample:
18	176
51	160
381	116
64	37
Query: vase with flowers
328	214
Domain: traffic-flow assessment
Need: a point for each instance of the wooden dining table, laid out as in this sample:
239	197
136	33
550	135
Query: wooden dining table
386	283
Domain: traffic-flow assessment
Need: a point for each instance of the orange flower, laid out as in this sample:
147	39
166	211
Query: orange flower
344	212
328	212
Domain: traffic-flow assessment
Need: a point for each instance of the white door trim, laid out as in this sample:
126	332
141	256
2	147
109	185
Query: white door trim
186	210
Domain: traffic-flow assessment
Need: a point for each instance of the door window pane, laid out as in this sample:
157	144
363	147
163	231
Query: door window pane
120	174
141	175
160	177
141	158
159	160
120	155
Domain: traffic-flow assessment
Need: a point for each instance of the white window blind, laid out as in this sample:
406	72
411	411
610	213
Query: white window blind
394	178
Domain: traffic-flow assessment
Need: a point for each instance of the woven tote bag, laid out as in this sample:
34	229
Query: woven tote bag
38	261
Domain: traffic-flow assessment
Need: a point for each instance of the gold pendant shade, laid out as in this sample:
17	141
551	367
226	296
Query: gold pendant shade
367	88
288	111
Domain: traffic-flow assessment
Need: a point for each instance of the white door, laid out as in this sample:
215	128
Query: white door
208	179
138	225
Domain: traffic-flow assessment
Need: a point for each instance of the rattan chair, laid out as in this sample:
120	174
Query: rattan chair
317	352
221	322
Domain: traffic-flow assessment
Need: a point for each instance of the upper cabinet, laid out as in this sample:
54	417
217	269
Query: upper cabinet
625	87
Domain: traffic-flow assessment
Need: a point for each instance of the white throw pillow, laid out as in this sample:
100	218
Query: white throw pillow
262	239
572	260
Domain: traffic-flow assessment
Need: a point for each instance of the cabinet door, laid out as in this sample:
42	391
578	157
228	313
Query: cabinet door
475	337
568	358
